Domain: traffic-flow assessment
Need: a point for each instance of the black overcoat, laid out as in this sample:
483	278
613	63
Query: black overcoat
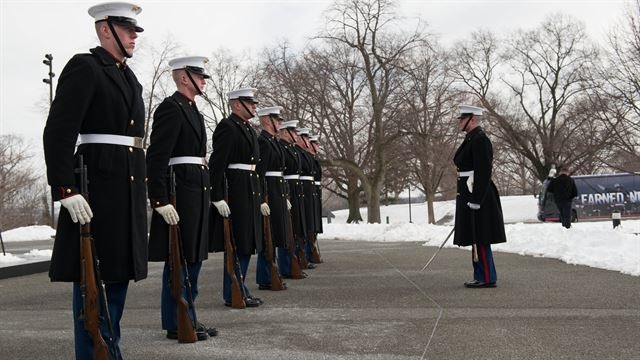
308	188
272	159
476	154
96	96
293	167
234	141
563	188
317	196
178	130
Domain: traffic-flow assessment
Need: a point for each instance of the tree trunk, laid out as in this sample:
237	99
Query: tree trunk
431	217
353	197
373	204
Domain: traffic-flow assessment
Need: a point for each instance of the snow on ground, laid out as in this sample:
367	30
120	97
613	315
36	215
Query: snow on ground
594	244
27	233
515	208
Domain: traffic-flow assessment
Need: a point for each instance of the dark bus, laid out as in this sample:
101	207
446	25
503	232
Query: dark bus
598	197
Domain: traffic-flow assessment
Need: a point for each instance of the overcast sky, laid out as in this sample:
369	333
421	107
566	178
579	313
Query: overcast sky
30	29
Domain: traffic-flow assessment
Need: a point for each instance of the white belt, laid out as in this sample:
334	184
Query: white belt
110	139
292	177
465	173
273	173
187	160
318	183
248	167
307	178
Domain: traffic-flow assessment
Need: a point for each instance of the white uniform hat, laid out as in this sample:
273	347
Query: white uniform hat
243	94
193	64
291	124
314	138
466	110
117	12
273	110
303	131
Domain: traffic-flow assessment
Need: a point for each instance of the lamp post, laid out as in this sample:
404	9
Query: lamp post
49	62
410	205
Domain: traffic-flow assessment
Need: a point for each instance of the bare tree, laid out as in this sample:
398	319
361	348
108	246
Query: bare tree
159	83
429	96
228	72
621	95
21	193
366	26
538	107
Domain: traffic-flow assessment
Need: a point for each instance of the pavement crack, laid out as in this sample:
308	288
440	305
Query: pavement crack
440	309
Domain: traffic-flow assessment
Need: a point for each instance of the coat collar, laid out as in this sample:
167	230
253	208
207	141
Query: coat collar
191	113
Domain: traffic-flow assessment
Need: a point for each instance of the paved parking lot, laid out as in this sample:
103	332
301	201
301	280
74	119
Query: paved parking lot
367	301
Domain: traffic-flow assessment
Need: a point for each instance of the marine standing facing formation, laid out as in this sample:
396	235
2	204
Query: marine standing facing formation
479	220
99	103
179	144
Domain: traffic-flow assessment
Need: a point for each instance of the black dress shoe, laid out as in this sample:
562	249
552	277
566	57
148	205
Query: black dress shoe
474	284
311	265
264	286
304	275
211	331
200	334
255	298
252	302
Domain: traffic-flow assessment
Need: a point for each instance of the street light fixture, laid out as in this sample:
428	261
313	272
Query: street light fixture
49	62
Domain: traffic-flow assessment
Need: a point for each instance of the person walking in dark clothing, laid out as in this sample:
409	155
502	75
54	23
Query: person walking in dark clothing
564	190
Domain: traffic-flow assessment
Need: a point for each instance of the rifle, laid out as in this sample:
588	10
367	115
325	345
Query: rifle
186	328
303	258
91	285
232	264
296	271
276	280
315	251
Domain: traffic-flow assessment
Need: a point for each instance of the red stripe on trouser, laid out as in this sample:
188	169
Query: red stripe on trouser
483	253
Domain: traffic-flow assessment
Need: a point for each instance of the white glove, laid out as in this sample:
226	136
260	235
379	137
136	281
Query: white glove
169	214
264	209
288	204
78	208
223	208
470	183
473	206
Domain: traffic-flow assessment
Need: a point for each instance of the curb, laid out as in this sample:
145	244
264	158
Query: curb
24	269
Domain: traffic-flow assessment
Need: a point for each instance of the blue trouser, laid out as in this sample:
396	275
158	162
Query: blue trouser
484	270
284	261
226	280
263	270
168	306
308	250
116	296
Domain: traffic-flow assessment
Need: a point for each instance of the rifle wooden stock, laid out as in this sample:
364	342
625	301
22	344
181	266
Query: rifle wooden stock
186	332
186	327
89	287
237	295
315	252
276	280
302	257
296	271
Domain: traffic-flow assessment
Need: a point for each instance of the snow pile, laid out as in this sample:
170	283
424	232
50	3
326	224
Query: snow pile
28	233
594	244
